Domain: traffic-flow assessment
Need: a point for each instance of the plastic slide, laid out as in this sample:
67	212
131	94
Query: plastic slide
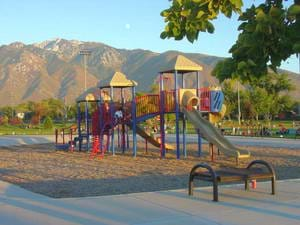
209	132
154	141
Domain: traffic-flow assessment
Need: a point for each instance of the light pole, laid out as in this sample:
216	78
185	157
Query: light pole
239	103
85	53
12	98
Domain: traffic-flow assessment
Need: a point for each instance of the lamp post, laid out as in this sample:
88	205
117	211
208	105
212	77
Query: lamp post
239	103
12	98
85	53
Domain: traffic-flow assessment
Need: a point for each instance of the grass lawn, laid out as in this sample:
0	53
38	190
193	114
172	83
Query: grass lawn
27	130
244	130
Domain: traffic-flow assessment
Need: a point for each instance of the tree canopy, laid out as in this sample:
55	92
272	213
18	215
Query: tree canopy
263	98
269	32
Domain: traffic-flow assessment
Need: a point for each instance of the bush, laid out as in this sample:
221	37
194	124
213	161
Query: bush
15	121
48	124
3	120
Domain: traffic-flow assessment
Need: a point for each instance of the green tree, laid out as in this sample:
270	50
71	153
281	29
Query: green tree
40	110
186	18
48	124
280	104
56	108
71	111
247	108
154	88
274	83
230	97
264	97
269	32
277	87
260	101
3	120
23	107
8	111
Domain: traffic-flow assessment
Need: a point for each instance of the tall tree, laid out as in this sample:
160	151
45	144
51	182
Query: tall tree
230	95
7	111
260	100
187	18
55	108
40	109
269	33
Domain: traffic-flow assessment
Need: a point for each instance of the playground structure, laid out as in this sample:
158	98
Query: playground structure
64	138
97	120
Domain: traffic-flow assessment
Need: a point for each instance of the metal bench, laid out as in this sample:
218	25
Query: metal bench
222	175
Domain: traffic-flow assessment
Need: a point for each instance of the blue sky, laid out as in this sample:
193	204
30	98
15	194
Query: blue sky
126	24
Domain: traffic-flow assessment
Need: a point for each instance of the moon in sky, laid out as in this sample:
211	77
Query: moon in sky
127	26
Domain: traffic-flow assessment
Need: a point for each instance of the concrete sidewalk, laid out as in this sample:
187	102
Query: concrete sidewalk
16	140
18	206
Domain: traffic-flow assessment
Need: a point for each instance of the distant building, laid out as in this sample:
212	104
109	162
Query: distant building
20	115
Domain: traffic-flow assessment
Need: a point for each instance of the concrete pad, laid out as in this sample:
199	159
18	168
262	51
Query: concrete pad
236	206
16	140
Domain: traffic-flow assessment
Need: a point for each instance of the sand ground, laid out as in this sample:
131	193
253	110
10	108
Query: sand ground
42	169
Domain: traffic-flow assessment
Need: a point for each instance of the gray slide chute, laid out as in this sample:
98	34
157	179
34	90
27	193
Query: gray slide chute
207	130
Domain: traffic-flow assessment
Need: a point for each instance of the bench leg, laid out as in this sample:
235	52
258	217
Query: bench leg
215	190
247	185
191	186
273	179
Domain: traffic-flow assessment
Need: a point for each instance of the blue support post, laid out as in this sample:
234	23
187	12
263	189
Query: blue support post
100	114
118	136
127	137
133	114
79	126
198	87
177	116
100	121
199	108
112	121
87	126
123	142
162	119
199	143
183	123
183	136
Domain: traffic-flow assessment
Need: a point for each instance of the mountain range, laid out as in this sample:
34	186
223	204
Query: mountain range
55	69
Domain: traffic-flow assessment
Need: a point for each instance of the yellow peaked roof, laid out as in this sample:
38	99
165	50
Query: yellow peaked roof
119	80
181	64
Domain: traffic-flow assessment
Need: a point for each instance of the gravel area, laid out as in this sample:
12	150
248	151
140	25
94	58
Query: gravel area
42	169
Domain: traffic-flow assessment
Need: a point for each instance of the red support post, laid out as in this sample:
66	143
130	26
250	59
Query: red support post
63	135
56	136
